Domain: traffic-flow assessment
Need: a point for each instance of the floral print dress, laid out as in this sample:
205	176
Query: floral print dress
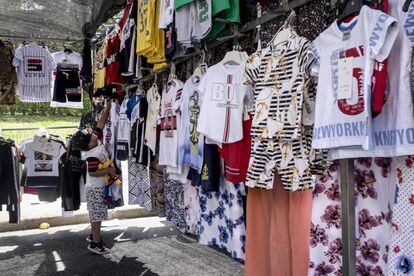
401	255
191	208
222	222
374	184
174	202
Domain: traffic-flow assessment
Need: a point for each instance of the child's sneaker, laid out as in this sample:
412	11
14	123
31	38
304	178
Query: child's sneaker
99	249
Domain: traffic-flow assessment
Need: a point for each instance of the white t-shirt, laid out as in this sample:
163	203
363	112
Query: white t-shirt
153	99
221	115
110	130
101	154
34	65
394	126
191	144
124	130
169	120
347	122
73	59
166	14
42	157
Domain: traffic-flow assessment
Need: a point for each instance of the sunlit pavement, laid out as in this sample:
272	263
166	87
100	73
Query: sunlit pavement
145	246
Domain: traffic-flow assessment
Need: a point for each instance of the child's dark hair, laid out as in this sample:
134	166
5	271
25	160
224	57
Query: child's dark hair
81	140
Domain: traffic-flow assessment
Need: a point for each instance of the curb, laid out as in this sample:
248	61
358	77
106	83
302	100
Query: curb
77	219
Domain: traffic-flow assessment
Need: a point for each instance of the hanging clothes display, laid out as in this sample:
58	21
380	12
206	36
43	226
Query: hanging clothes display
282	218
174	202
214	121
170	120
74	168
393	119
347	121
154	100
66	81
221	221
9	179
401	246
42	161
34	65
374	193
8	77
139	186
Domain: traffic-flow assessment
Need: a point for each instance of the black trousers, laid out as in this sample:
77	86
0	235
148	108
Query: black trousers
7	185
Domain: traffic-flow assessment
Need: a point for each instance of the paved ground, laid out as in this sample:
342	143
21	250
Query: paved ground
145	246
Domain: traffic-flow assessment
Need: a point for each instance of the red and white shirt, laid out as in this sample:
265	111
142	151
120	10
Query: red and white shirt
169	120
345	121
221	115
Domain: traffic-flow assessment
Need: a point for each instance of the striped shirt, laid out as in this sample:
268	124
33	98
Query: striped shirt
280	143
278	86
34	65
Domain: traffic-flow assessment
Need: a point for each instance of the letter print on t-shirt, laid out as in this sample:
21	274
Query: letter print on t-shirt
221	115
346	121
393	128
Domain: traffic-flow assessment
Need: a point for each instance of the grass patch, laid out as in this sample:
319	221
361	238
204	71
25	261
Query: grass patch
20	121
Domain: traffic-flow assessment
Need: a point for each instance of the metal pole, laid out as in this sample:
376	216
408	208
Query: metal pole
348	217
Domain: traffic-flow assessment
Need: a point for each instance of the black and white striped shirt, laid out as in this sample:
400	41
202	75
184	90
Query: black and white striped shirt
280	143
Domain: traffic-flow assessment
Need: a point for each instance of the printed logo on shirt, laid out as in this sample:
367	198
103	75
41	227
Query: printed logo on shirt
35	65
169	123
379	27
225	94
356	104
203	11
409	23
194	112
43	162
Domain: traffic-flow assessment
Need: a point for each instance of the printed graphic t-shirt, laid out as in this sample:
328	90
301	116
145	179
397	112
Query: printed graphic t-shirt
42	157
191	144
34	65
394	127
221	115
68	64
347	122
170	100
153	99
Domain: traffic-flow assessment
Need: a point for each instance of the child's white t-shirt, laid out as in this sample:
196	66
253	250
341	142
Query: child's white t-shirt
221	114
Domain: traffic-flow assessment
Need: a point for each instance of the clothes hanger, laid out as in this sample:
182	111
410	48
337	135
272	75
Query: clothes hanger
201	67
67	49
172	75
285	31
353	7
235	57
43	132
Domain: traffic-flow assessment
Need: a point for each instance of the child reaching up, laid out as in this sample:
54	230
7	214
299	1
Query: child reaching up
93	151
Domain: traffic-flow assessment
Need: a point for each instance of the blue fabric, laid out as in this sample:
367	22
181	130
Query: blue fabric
132	102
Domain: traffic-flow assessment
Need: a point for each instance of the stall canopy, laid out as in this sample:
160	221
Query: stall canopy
55	19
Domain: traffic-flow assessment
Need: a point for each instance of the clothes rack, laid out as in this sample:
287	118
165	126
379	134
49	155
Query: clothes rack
347	167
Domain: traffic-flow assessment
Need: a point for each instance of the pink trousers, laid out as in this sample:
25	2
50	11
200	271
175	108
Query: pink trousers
278	232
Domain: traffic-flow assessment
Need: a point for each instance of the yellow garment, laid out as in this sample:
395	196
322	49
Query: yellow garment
152	38
99	78
142	28
99	70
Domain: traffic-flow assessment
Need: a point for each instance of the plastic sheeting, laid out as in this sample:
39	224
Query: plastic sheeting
55	19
